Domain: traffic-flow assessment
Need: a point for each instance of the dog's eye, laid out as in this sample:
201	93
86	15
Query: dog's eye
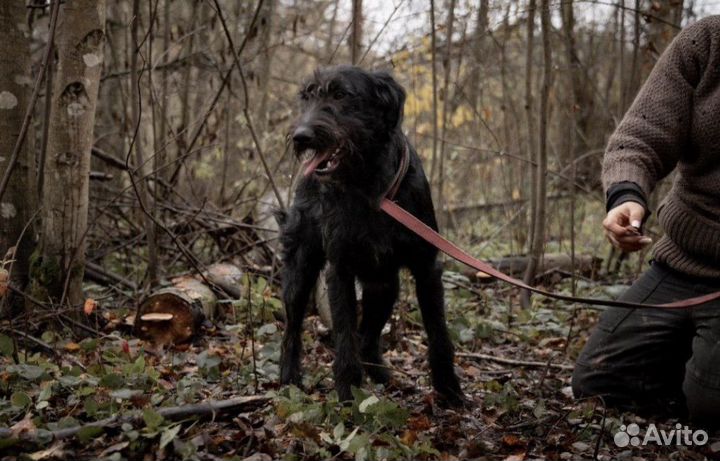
339	94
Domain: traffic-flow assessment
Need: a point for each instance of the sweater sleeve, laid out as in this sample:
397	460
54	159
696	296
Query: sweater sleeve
653	134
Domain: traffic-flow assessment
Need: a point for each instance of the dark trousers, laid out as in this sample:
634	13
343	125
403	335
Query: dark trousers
657	361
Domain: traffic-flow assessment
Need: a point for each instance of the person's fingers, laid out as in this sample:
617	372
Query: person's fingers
633	239
628	243
614	227
636	214
625	221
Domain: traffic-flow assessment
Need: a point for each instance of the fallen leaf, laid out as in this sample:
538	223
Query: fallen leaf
90	305
23	426
72	346
419	423
409	437
4	276
55	451
511	440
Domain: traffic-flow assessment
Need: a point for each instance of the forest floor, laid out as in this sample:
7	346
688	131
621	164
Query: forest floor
515	369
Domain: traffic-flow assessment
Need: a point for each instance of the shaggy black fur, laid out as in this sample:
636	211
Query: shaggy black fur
349	133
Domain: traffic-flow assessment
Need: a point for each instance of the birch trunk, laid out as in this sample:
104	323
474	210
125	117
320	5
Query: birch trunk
18	203
58	266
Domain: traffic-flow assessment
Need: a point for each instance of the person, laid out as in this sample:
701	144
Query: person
655	360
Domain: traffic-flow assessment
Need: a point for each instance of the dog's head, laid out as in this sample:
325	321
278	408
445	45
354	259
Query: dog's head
347	114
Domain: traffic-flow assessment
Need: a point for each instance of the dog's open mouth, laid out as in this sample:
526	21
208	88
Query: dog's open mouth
321	163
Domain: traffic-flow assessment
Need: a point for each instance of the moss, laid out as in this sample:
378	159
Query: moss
46	272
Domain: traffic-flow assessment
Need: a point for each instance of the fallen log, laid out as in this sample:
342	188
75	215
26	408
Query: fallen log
586	265
228	277
98	274
174	315
209	408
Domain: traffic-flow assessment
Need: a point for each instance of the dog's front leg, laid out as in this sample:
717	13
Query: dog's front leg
429	290
343	306
302	267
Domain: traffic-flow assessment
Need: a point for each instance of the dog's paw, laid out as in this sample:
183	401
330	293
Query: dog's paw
378	373
290	375
454	399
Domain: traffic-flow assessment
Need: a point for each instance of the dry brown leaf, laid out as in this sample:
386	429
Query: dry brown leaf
55	451
4	277
72	347
409	437
419	423
23	426
511	440
90	305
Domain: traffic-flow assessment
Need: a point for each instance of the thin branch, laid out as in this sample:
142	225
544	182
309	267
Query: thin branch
209	408
506	361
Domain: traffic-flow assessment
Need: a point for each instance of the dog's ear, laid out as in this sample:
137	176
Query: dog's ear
391	97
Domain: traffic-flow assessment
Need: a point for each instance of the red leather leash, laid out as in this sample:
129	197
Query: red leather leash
441	243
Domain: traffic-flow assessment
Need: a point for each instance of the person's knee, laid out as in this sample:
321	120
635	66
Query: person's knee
703	402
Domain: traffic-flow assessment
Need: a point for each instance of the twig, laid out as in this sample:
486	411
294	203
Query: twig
209	408
99	274
33	99
49	348
506	361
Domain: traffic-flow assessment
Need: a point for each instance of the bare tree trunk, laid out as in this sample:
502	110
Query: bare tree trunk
57	269
531	133
356	34
541	169
568	26
184	129
481	30
19	201
266	55
329	40
136	135
161	150
663	25
433	71
447	63
632	86
621	50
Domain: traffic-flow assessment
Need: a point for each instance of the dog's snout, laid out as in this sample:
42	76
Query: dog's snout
303	135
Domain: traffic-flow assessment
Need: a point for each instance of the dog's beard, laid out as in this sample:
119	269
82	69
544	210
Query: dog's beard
319	162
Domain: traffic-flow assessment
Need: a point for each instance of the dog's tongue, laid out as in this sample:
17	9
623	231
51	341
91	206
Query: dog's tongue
314	162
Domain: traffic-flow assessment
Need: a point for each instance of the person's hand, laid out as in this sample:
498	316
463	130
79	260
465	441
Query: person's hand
622	227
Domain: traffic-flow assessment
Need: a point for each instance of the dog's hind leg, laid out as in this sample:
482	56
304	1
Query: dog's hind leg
429	289
343	306
378	299
302	267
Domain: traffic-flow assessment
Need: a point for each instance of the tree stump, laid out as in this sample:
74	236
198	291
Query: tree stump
174	315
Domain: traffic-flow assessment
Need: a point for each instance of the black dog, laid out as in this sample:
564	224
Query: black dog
350	139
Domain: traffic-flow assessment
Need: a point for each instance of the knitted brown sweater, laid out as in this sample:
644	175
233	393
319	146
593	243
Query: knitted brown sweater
675	123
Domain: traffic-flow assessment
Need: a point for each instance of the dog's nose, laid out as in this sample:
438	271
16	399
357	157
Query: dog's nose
303	135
